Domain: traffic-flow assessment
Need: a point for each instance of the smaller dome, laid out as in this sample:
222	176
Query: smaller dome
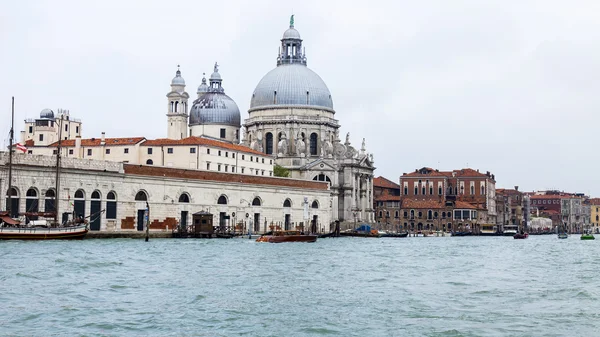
215	76
178	80
47	113
291	33
203	87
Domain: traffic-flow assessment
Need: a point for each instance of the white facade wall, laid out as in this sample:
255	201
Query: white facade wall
214	131
163	193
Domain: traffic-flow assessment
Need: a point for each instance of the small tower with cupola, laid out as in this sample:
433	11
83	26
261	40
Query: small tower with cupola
177	114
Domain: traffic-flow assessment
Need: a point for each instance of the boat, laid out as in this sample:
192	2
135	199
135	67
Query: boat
587	235
521	235
488	230
562	234
11	229
286	236
393	235
511	230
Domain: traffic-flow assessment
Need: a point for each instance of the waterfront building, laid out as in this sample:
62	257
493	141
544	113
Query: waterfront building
447	200
172	195
510	204
595	214
387	203
292	119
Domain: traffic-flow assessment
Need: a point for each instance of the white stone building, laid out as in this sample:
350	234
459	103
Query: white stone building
173	195
291	123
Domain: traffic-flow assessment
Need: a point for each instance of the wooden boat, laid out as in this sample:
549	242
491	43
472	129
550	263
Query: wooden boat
286	236
521	236
563	235
394	235
40	233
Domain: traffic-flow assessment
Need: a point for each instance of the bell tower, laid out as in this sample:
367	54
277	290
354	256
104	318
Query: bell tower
177	100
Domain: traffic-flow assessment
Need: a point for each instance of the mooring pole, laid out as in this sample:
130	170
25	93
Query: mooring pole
147	221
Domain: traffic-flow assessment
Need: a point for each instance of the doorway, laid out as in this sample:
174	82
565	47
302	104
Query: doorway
257	222
140	219
313	227
183	220
95	215
287	222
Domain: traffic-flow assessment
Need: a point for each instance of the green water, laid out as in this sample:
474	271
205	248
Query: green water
451	286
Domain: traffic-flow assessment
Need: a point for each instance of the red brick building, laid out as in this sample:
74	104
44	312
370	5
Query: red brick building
386	203
455	200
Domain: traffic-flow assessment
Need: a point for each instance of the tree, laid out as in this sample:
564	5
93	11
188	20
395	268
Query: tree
280	171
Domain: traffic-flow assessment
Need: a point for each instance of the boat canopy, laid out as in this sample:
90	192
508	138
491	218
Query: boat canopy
9	220
364	228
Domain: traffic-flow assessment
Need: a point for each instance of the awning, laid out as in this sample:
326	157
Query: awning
9	220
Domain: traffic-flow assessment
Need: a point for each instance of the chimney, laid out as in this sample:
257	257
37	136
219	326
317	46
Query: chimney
517	188
102	140
78	146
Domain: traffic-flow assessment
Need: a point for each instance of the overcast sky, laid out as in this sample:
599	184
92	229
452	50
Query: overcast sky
510	87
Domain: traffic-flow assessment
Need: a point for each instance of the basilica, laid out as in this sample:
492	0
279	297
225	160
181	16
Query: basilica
291	123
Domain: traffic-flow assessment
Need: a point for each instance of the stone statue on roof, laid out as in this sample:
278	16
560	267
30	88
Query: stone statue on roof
347	138
216	70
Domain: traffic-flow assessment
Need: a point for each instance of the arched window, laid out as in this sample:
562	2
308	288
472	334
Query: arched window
256	201
31	193
387	214
405	190
420	214
176	106
95	195
315	204
443	215
380	214
397	214
440	190
149	162
287	203
313	144
472	190
429	214
141	196
79	194
322	177
430	190
435	214
269	143
416	190
12	199
31	203
49	203
184	198
222	200
111	205
423	190
483	190
412	213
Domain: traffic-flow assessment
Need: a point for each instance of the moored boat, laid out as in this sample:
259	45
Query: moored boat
40	233
286	236
563	235
587	236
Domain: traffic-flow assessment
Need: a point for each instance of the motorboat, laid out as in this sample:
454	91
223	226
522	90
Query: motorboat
286	236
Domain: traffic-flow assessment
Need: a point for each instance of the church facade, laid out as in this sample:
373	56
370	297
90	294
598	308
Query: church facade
292	119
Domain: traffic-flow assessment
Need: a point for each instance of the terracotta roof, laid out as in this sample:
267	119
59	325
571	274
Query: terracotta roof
463	205
385	183
97	141
201	141
224	177
388	197
29	143
423	203
425	171
594	201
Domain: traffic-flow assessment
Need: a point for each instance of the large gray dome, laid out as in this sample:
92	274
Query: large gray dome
215	108
47	114
291	85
